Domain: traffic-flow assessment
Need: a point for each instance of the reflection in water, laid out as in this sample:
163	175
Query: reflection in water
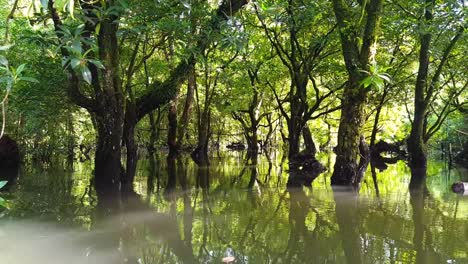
257	213
349	221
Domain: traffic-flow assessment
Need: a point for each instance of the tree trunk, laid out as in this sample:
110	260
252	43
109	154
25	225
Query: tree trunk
110	117
200	154
347	151
172	129
308	141
70	141
357	56
416	148
185	119
132	148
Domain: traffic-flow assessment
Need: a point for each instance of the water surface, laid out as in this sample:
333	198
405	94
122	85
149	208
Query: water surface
182	213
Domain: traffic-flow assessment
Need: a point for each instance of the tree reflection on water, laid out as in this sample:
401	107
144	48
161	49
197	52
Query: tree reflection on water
180	212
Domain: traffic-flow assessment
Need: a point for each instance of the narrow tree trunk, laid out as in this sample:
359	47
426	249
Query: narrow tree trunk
200	154
172	129
70	141
375	127
185	119
416	148
131	147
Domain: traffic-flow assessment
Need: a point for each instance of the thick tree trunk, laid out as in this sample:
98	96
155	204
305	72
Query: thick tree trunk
107	166
308	141
357	57
347	151
110	117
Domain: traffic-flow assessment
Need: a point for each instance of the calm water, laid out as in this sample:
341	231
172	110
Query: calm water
187	214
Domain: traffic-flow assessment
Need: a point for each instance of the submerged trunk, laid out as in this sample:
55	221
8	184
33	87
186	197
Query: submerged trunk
357	56
347	151
132	149
200	154
172	129
416	148
110	117
107	166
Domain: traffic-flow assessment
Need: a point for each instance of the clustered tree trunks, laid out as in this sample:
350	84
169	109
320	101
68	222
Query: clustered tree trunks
116	120
300	57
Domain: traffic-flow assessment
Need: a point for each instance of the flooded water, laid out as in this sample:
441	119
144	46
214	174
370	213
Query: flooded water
233	212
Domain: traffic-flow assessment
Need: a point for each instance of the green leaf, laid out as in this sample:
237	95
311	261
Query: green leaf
76	46
3	61
3	183
97	63
71	8
2	202
75	63
20	69
86	73
29	79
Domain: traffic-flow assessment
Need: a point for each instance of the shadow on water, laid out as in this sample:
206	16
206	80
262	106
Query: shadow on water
256	212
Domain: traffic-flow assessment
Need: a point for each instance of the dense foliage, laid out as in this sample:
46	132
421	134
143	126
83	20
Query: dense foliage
266	73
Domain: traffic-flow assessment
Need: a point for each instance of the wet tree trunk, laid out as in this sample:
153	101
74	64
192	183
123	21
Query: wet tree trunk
70	141
200	154
347	152
110	118
375	127
131	147
416	148
172	129
154	131
357	57
425	89
308	141
186	114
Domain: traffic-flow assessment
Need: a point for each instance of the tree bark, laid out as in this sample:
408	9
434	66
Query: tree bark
186	114
416	148
172	129
308	141
357	58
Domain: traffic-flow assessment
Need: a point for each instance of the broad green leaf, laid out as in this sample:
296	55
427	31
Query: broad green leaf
76	46
3	61
97	63
20	69
75	63
3	183
86	75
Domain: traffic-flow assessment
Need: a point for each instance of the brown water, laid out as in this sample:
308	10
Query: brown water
188	214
